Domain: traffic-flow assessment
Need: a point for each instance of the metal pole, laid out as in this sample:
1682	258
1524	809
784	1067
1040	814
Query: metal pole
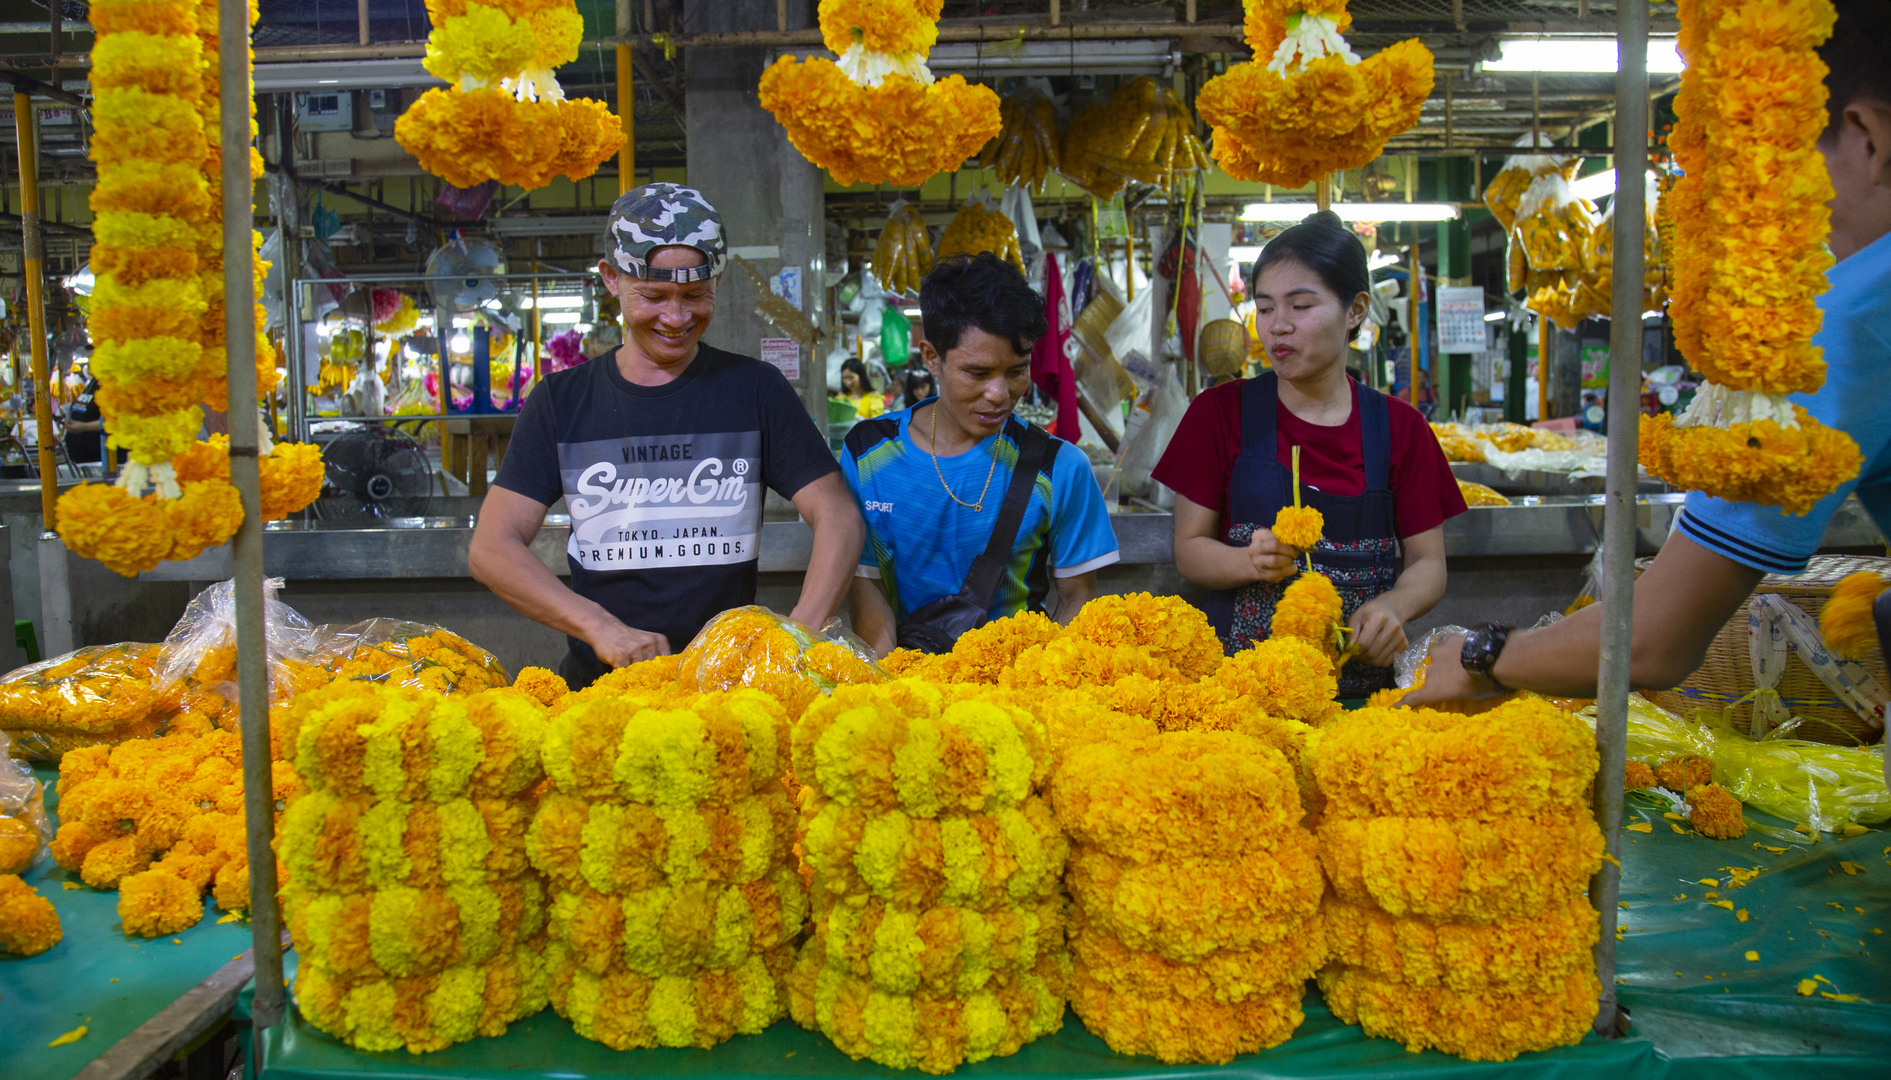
26	127
627	157
1618	529
252	656
1411	335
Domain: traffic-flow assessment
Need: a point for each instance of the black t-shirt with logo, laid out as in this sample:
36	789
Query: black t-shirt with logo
85	446
664	484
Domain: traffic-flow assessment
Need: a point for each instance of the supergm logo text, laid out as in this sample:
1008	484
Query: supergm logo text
661	502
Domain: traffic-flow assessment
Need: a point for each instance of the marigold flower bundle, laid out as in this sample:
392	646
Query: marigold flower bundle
410	654
938	921
1846	621
99	688
1195	892
1169	627
878	115
418	917
19	844
1458	848
1310	609
754	647
1291	677
975	229
668	843
1713	811
504	117
28	924
1750	223
1308	105
1299	526
1680	774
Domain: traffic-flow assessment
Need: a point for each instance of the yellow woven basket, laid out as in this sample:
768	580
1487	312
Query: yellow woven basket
1727	675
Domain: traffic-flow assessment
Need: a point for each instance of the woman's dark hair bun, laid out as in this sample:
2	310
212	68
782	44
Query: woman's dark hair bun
1325	245
1324	217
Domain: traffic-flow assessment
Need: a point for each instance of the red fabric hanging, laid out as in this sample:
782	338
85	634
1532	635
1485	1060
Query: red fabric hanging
1051	371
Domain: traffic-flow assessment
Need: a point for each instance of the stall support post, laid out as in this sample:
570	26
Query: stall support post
627	157
25	126
1411	327
252	658
1618	540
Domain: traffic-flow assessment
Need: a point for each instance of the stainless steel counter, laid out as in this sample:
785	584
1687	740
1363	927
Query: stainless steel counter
435	547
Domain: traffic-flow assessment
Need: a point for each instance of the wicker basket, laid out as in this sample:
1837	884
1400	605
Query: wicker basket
1727	675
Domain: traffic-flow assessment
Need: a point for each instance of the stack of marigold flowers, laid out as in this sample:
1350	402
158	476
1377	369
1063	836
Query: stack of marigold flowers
754	647
938	928
668	846
161	821
415	655
1458	848
418	918
1196	892
98	695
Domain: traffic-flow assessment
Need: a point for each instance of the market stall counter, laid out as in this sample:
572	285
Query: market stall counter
105	981
1700	1005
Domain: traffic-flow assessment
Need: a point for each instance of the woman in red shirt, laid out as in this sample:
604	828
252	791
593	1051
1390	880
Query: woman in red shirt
1368	463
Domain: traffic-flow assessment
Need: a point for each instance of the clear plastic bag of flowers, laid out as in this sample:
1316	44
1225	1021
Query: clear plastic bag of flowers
196	665
1506	189
755	647
24	828
1554	224
94	690
401	653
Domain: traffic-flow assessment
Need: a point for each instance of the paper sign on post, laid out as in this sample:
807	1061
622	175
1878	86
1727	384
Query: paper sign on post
1460	319
787	285
784	354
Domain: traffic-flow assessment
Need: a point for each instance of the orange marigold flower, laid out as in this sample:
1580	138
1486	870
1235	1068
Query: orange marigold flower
156	902
1637	775
1713	811
1169	627
898	132
1681	774
1310	608
1846	622
28	924
107	523
542	683
1298	526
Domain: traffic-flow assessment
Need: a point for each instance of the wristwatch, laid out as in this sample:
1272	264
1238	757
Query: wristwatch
1482	647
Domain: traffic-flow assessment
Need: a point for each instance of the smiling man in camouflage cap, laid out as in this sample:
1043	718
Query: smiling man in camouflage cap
660	449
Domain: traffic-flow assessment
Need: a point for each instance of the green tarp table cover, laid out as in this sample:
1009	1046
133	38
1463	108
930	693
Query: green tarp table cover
97	975
1699	1007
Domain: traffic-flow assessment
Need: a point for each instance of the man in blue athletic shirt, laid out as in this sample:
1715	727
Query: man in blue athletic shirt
931	479
660	449
1720	550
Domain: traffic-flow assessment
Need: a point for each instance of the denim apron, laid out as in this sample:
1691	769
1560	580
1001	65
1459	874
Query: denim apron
1358	549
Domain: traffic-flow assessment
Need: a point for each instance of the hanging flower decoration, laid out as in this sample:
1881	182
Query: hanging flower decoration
878	115
1314	106
157	312
1750	223
504	117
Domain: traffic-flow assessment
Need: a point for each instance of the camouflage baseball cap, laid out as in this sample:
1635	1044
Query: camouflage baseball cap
666	215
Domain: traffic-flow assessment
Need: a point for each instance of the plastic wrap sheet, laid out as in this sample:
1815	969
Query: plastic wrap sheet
755	647
404	653
97	975
196	666
98	694
21	803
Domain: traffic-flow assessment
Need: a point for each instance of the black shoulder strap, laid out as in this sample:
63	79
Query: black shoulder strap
1259	396
1375	437
981	585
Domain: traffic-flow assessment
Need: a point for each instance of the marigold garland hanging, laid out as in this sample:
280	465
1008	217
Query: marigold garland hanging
504	117
1750	224
1307	105
878	116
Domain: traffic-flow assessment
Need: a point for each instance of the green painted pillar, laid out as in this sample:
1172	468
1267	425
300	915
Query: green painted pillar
1519	370
1454	261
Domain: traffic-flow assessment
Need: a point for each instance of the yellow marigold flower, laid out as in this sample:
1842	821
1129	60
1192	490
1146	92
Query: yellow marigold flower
838	664
1185	794
1290	677
1226	975
943	950
1073	662
107	523
19	844
1713	811
1473	871
882	26
1637	775
1523	758
903	745
403	932
1097	714
1184	908
482	44
113	860
615	847
1791	468
430	1012
155	902
543	684
1175	1029
156	439
678	929
204	461
470	136
1169	627
206	516
1298	526
1310	608
1012	856
1536	952
982	654
73	842
932	1033
627	1011
898	132
719	746
28	924
157	62
1683	774
905	663
1846	621
292	477
1479	1026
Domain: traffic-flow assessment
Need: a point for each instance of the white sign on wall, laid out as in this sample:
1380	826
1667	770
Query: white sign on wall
784	354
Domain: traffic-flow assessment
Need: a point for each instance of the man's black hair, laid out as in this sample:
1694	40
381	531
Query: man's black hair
980	291
1859	56
1323	244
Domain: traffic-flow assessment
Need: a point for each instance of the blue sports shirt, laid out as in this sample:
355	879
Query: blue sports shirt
920	543
1856	337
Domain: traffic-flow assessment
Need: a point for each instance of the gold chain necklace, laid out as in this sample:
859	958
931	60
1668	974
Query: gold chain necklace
931	452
